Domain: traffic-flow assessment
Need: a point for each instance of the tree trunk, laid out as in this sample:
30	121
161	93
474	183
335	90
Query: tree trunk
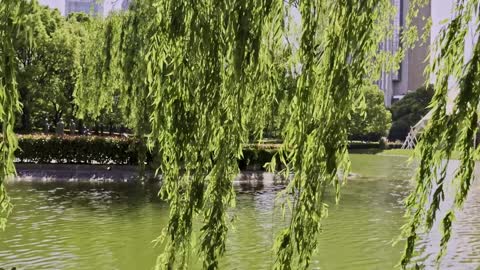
80	128
96	129
26	119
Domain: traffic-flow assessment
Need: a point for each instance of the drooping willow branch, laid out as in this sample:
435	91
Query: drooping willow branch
210	73
339	53
198	75
452	127
14	21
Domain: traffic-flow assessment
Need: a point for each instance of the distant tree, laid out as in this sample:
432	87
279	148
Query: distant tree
408	111
61	65
80	17
49	70
371	121
279	112
30	71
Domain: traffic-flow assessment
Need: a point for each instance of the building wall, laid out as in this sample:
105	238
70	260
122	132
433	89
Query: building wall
400	77
416	60
125	4
60	5
102	8
410	75
441	12
417	57
86	6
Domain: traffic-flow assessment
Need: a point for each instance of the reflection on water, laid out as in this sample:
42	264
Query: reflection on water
111	226
463	251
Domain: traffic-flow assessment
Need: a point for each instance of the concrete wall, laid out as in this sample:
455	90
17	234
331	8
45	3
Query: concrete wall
107	5
417	57
400	82
441	11
410	75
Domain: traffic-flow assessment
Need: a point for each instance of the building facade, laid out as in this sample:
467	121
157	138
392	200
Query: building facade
410	75
86	6
93	7
126	4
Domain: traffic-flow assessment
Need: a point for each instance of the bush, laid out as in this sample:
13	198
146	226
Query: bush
77	149
256	157
383	143
362	145
408	111
371	122
124	151
110	150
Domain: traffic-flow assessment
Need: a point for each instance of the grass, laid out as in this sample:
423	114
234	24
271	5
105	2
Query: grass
409	152
397	152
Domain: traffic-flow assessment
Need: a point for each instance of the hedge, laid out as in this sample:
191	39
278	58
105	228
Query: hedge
124	151
77	149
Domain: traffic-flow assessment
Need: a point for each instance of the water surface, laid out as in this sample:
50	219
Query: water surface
111	226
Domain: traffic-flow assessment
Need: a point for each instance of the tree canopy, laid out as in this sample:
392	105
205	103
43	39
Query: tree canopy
409	110
372	121
15	24
197	77
194	78
47	71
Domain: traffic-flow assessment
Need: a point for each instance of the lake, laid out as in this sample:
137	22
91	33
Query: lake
84	225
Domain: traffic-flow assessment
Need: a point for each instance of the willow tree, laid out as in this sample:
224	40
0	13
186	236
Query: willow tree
198	75
15	23
452	128
195	76
339	55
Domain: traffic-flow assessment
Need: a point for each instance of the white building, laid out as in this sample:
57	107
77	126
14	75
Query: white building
126	4
441	13
95	7
85	6
410	75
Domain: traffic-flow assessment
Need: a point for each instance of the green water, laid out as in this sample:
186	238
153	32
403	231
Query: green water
111	226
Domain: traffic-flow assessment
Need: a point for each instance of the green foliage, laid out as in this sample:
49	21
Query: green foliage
80	17
15	23
450	129
279	112
200	77
409	110
77	150
46	71
347	35
371	121
196	78
46	149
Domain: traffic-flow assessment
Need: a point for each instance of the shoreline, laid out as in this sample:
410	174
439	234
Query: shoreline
28	172
77	172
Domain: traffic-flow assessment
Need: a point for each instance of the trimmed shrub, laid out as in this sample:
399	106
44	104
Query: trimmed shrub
357	145
77	149
373	121
256	158
408	111
124	151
